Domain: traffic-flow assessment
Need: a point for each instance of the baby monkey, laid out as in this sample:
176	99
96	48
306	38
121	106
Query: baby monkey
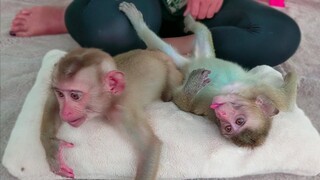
238	101
88	83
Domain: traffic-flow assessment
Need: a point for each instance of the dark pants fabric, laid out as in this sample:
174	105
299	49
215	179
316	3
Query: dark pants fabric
243	31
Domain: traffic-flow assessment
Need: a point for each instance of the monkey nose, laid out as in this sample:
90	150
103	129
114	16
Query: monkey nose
66	115
222	115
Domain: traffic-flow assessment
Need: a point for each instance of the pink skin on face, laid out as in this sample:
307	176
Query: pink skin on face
77	122
70	114
72	106
230	121
223	111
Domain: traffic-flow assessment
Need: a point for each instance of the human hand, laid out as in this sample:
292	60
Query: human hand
202	9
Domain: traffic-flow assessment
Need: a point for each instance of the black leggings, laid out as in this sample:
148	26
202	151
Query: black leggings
243	31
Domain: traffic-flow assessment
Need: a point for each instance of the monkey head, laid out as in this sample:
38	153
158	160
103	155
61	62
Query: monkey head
84	83
245	121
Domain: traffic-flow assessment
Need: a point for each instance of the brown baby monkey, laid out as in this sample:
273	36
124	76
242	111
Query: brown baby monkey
238	101
89	83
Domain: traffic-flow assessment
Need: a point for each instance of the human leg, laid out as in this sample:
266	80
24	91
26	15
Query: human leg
243	31
252	34
100	24
39	20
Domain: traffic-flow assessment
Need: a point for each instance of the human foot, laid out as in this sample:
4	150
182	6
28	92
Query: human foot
39	20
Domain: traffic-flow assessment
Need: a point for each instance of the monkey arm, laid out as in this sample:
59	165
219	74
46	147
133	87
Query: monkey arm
147	145
283	97
50	125
53	146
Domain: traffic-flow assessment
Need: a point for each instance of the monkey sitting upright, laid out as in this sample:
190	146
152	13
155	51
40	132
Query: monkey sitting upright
89	83
243	104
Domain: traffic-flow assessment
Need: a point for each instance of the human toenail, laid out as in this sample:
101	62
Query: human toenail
12	33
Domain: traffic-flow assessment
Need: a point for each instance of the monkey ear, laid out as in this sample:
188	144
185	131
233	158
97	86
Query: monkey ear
114	82
266	106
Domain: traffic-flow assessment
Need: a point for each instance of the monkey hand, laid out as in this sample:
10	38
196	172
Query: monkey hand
56	162
197	80
134	15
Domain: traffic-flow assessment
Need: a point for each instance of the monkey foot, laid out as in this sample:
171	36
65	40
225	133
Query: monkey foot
131	12
189	23
197	80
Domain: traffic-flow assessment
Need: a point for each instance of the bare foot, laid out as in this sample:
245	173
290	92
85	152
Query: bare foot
39	20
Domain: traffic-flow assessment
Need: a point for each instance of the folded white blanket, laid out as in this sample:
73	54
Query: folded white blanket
192	145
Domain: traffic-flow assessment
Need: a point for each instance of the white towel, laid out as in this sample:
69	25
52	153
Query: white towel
192	145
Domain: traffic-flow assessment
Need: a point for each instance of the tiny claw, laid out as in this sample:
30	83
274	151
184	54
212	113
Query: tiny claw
66	172
206	72
67	144
207	81
12	33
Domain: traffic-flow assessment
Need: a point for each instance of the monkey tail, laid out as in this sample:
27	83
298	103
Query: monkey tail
290	87
284	97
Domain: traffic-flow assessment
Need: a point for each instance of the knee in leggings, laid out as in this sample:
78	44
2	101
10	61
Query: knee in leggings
287	39
100	24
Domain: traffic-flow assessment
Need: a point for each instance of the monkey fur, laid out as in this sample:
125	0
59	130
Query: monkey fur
241	104
89	83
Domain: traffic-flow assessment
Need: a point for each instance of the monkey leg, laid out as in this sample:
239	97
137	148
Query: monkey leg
150	38
174	80
203	45
197	80
134	15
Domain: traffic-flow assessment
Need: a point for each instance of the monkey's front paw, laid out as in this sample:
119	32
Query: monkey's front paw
188	23
57	165
131	11
198	79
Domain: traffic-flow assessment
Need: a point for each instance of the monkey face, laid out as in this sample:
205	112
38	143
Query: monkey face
71	104
74	96
235	114
230	120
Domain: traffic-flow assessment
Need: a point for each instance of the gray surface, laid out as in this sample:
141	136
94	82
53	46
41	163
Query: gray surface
21	60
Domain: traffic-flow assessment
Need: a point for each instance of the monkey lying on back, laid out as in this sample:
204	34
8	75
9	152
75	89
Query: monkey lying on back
89	83
243	104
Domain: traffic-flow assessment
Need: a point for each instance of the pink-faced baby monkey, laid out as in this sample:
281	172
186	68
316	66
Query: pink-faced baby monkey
241	103
89	83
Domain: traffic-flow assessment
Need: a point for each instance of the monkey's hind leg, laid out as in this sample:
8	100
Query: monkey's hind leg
184	96
150	38
203	46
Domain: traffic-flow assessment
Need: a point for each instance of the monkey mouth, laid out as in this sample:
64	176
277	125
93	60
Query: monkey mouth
77	122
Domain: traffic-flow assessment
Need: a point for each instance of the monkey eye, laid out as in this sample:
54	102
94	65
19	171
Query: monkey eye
236	105
75	95
228	128
59	93
240	121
